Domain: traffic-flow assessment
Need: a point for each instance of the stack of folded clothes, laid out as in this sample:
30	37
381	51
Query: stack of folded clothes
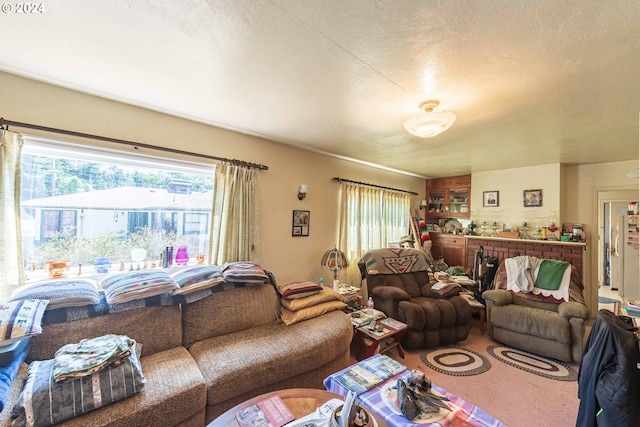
106	369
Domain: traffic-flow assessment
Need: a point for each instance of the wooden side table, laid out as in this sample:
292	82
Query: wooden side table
481	310
369	342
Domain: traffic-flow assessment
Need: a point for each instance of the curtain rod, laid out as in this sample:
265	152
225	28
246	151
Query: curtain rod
4	124
341	180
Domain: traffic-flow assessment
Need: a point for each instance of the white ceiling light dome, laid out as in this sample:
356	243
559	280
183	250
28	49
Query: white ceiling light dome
431	123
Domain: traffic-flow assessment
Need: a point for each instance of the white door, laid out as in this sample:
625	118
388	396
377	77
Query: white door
616	239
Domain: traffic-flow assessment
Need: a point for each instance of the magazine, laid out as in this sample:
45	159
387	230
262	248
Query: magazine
393	323
271	412
370	372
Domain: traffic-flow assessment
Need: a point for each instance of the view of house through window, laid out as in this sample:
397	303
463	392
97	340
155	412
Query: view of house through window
84	204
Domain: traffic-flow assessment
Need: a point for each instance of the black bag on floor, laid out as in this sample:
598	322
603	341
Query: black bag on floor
491	267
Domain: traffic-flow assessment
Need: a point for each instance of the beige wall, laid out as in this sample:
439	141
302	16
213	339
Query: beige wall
290	258
580	188
511	183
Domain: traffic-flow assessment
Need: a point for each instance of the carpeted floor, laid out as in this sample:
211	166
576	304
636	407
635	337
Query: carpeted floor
515	397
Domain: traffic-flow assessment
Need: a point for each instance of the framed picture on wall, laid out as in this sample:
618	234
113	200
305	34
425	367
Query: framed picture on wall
532	198
300	227
490	199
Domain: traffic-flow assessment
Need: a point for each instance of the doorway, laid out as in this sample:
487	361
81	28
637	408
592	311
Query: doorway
611	204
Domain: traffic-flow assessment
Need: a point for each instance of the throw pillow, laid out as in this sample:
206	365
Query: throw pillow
197	278
298	289
289	317
44	402
135	285
247	272
325	294
20	319
61	292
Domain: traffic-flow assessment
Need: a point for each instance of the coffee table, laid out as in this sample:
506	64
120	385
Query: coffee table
300	401
462	413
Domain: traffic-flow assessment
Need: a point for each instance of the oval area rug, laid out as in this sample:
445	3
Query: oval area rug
455	361
534	364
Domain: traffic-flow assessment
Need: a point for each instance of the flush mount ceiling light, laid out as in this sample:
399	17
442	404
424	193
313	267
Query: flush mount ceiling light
431	123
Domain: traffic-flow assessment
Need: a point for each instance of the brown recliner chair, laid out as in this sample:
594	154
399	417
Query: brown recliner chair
399	282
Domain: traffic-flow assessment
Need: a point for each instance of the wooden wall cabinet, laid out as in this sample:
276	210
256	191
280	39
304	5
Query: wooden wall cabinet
450	247
449	197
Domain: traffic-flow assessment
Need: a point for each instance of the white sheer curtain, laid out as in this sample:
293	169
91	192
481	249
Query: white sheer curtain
370	218
234	226
396	210
11	262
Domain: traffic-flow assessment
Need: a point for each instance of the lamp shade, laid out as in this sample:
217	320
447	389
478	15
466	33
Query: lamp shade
335	260
431	123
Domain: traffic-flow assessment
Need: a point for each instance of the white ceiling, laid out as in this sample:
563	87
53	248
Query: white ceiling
532	82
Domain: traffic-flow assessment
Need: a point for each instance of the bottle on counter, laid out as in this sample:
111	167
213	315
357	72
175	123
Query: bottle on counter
370	307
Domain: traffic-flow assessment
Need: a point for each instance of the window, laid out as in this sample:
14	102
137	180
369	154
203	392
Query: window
80	203
370	218
58	223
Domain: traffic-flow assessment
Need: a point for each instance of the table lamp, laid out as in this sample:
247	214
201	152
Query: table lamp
335	260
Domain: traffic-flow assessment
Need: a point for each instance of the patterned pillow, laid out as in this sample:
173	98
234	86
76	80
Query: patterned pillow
197	278
298	289
21	319
247	272
135	285
44	402
61	292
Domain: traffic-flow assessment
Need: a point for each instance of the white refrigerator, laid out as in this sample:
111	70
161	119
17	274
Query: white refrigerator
628	265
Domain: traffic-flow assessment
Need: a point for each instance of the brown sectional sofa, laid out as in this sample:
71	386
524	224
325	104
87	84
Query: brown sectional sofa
202	358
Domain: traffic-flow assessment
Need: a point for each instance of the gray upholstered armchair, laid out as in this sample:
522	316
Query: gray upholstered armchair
400	284
533	322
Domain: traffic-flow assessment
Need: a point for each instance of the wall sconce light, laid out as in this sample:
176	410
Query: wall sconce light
423	204
302	193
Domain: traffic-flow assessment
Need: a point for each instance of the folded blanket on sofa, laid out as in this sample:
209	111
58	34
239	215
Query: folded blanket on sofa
549	278
44	402
90	355
520	273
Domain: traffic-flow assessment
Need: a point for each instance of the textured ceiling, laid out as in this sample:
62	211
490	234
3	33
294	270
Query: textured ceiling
532	82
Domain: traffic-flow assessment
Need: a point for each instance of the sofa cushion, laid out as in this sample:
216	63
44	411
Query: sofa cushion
532	321
289	317
197	278
21	319
226	312
325	294
61	292
239	362
132	285
245	272
130	323
295	290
